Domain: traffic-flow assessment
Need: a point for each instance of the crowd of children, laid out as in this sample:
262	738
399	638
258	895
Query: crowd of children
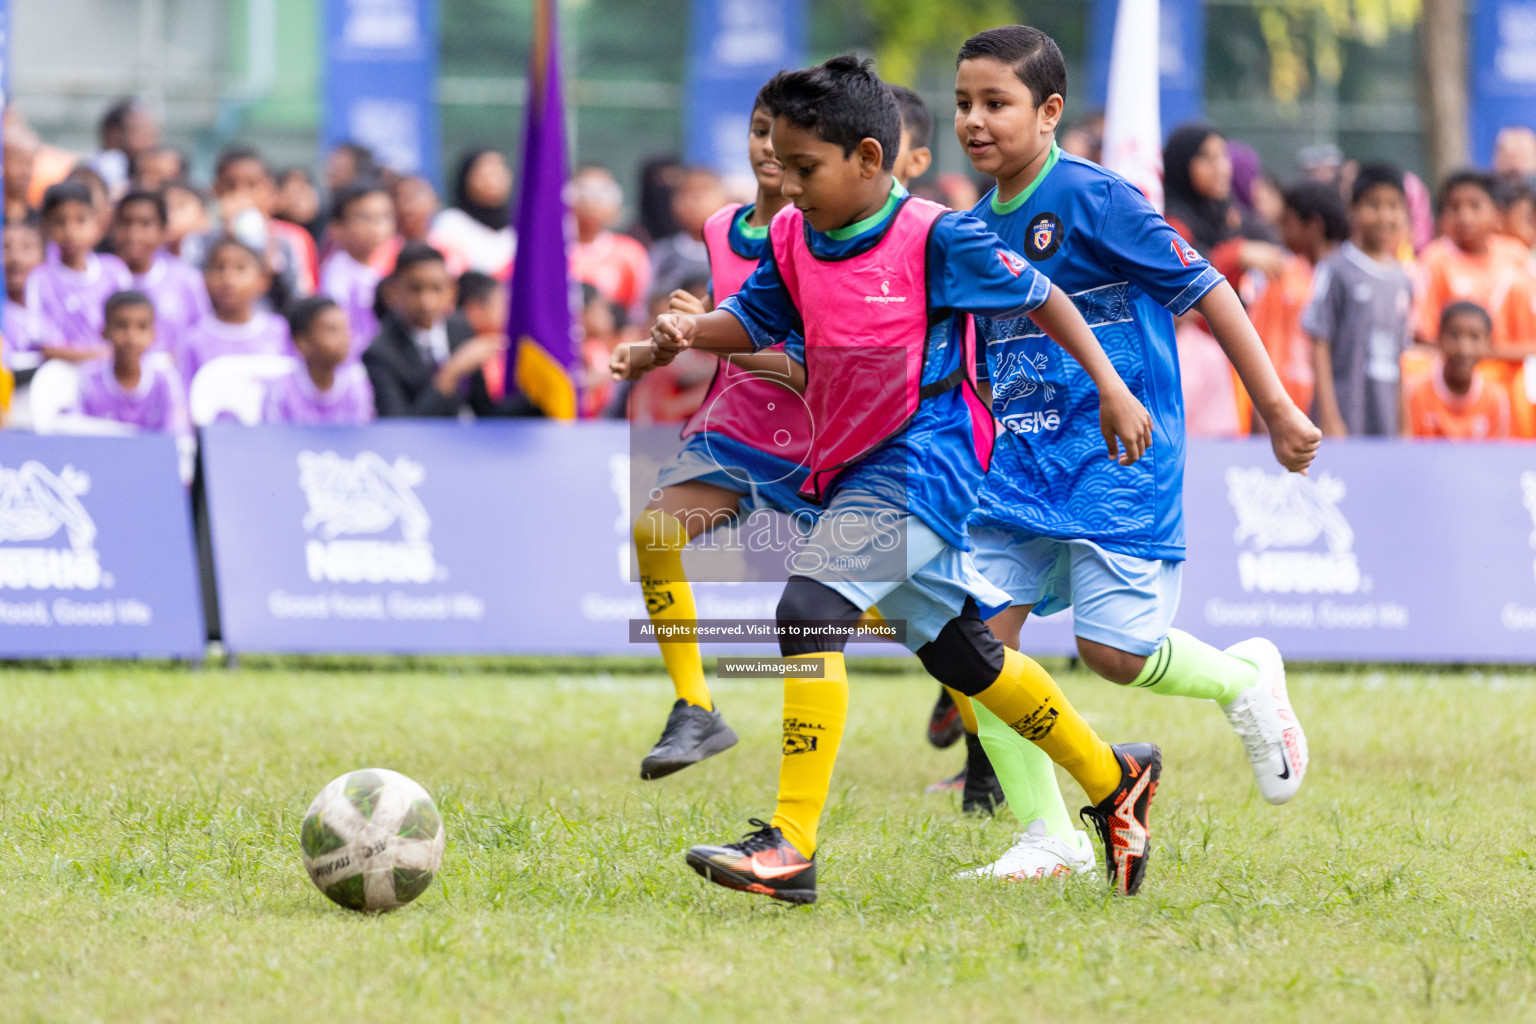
1350	281
420	287
1347	274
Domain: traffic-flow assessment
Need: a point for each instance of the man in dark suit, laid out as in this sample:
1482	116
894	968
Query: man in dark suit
426	359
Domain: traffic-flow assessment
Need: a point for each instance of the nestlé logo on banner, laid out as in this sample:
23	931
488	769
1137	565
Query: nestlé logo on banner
1294	541
365	495
1297	538
38	506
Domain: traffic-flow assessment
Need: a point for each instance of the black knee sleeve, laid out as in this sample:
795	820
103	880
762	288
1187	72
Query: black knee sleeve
965	656
805	602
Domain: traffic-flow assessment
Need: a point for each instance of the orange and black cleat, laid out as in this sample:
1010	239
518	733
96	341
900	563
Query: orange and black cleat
944	724
1121	818
763	862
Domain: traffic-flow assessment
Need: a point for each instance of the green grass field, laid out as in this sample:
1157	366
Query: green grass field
151	867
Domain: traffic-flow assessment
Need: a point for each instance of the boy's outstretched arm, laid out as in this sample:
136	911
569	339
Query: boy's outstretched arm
1294	437
718	332
1121	416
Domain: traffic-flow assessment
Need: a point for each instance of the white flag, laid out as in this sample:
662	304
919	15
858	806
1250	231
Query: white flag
1133	132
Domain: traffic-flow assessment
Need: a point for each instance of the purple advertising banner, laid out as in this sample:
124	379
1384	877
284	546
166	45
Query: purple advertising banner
1385	551
96	552
516	538
432	537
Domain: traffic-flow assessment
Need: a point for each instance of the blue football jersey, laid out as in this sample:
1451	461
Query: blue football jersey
1095	236
930	468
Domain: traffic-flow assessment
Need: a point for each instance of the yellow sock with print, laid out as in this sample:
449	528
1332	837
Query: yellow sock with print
659	542
1028	700
815	711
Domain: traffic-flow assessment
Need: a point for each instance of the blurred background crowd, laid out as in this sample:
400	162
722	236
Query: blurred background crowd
167	156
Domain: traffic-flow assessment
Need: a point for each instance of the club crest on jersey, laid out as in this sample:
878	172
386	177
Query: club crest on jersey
1043	237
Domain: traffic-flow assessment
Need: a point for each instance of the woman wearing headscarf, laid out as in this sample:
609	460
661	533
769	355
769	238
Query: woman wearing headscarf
477	227
1197	191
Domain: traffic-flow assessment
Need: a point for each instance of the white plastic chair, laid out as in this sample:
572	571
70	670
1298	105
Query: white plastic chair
234	386
55	401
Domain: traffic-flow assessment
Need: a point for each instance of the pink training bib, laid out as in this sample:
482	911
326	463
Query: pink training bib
866	340
757	411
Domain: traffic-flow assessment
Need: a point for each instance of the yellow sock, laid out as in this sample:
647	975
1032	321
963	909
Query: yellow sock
967	713
815	711
1026	698
659	542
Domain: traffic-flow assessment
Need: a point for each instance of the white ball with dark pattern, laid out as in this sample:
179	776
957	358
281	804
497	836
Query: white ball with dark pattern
372	840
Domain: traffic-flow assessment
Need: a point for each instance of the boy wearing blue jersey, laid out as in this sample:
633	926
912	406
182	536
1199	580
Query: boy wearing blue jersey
1055	526
872	280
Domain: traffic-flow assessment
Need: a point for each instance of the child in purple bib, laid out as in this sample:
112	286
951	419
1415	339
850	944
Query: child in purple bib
128	388
68	291
324	389
237	278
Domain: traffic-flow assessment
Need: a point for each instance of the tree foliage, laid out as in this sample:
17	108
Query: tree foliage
910	33
1305	37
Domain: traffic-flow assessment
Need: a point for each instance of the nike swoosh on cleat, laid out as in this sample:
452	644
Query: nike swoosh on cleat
765	871
1285	767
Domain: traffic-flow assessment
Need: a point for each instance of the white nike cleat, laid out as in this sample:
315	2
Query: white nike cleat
1038	854
1265	721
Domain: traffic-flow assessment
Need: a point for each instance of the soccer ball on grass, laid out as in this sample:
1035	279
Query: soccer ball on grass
372	840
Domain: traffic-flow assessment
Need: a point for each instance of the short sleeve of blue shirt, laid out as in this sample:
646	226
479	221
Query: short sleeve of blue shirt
971	270
1133	240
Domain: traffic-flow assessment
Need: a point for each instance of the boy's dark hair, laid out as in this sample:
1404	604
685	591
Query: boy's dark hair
65	192
239	154
292	169
1033	55
230	241
841	102
154	199
345	197
1512	191
476	287
364	163
116	117
1371	175
302	314
1468	176
915	117
1313	199
123	300
183	184
1465	308
88	176
414	253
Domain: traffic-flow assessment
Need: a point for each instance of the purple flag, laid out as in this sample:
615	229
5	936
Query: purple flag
544	357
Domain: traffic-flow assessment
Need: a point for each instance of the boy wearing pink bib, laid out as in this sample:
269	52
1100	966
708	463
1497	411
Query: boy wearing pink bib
745	450
876	283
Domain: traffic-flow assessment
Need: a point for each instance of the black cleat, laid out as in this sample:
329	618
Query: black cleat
691	734
944	725
1121	819
982	793
763	862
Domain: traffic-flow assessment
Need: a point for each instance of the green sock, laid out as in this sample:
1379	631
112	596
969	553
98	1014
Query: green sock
1026	774
1183	666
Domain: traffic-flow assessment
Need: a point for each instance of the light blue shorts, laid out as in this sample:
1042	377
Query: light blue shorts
1120	601
871	554
763	481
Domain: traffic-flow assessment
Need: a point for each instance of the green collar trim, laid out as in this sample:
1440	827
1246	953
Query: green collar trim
1029	190
757	234
855	230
